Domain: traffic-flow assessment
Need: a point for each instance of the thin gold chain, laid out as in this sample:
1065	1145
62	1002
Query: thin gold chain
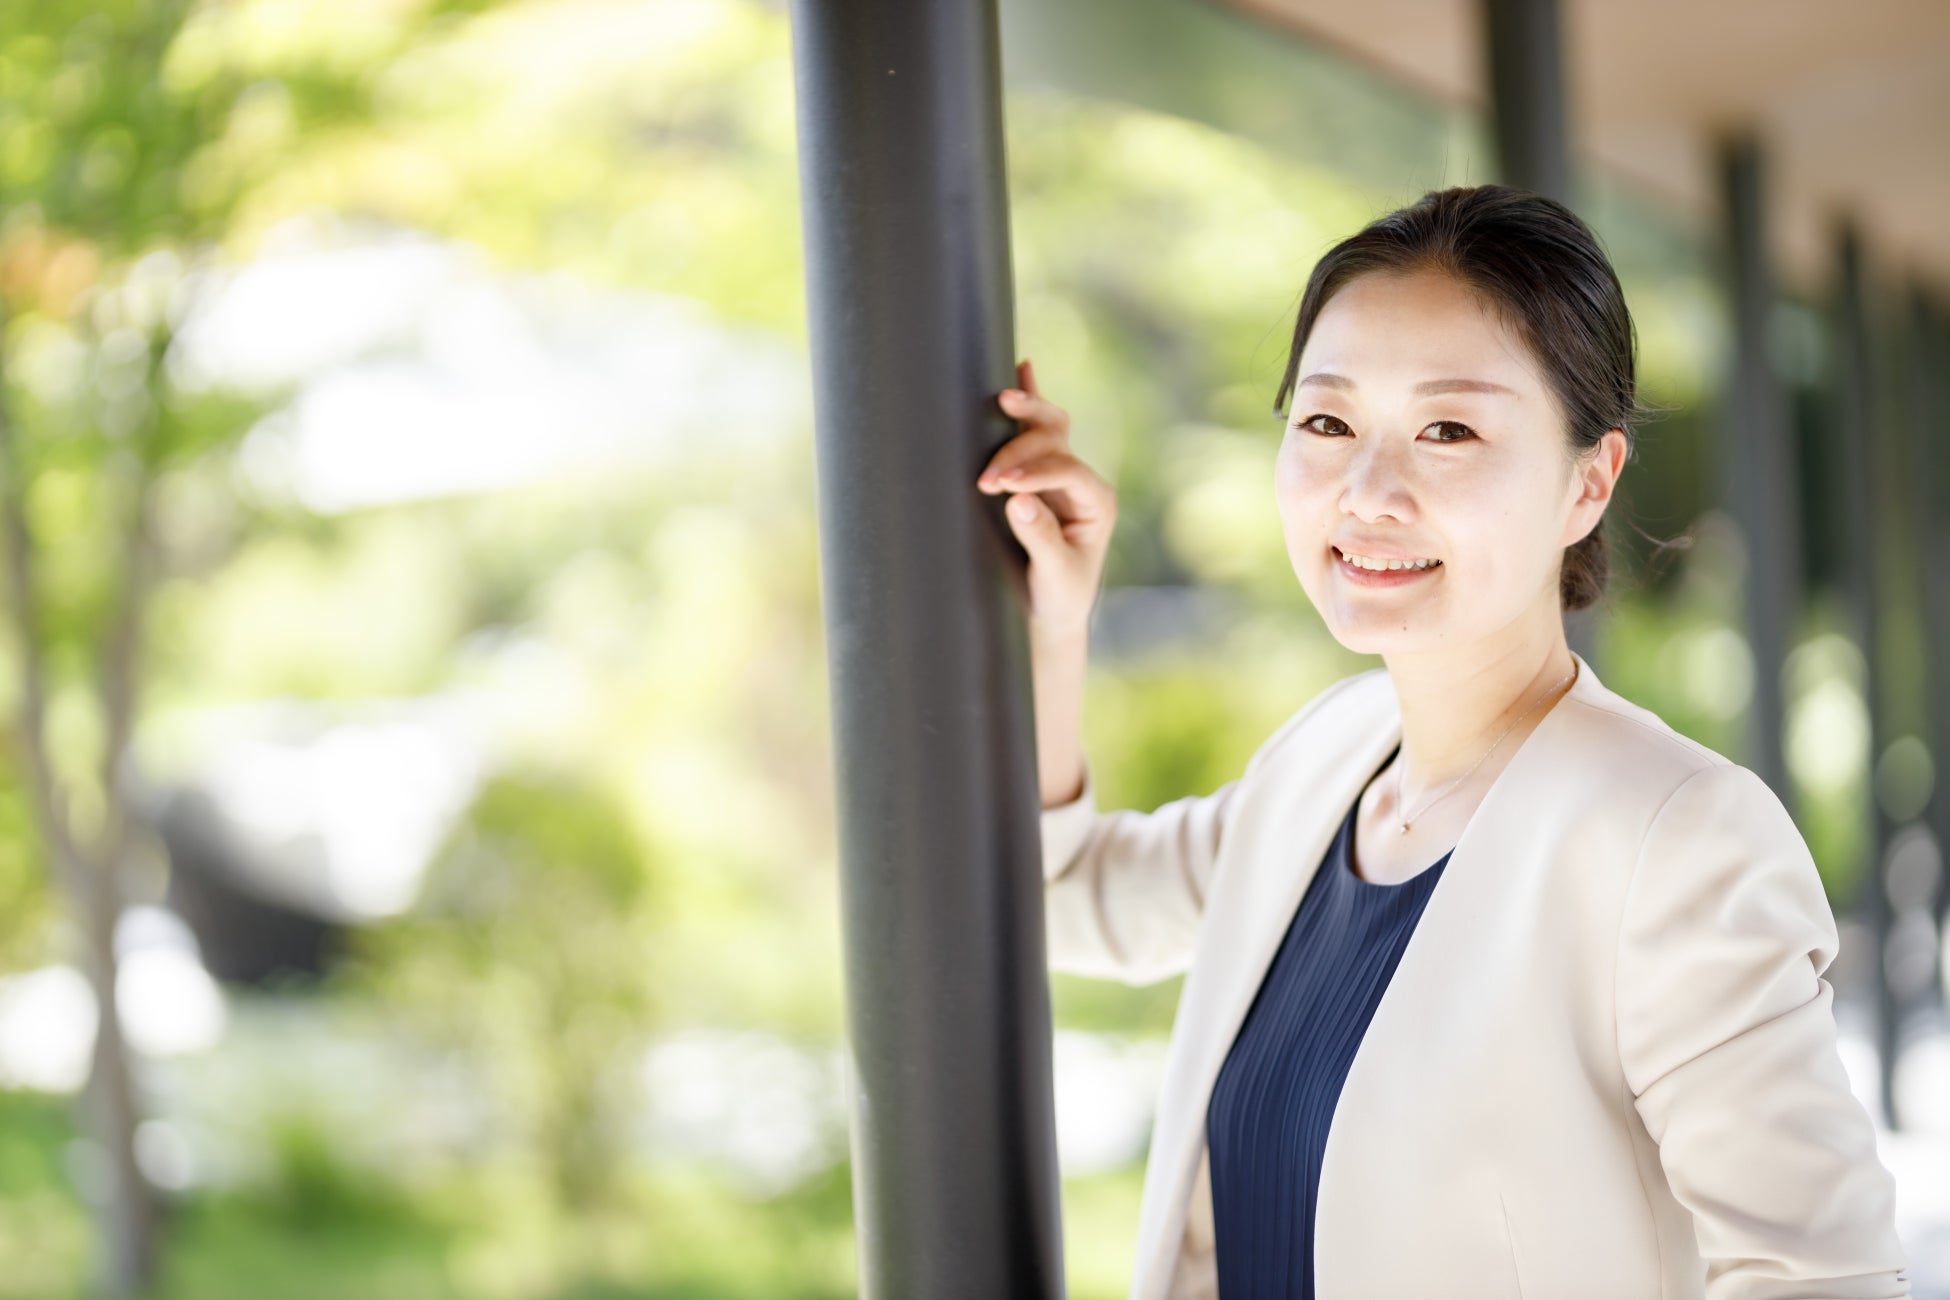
1479	762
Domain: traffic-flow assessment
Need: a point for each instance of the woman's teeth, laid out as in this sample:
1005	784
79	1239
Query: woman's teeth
1383	566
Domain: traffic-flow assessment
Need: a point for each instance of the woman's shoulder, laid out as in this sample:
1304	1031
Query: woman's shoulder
1677	801
1634	746
1602	741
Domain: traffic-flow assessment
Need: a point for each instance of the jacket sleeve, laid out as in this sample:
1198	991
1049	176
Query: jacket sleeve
1727	1036
1124	890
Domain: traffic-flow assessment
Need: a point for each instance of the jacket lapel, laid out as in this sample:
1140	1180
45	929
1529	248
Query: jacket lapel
1280	844
1408	1088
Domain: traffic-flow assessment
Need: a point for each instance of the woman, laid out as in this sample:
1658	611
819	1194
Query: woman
1496	985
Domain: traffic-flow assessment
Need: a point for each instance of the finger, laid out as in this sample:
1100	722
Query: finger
1019	451
1034	523
1073	488
1034	411
1026	378
1039	473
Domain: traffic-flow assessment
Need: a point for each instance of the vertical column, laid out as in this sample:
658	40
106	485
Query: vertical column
1757	461
1933	507
1526	82
1857	424
1927	478
910	312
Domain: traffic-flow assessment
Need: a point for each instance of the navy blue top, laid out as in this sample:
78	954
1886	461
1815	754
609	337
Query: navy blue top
1266	1126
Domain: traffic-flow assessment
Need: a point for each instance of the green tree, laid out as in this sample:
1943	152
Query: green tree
96	149
126	152
528	950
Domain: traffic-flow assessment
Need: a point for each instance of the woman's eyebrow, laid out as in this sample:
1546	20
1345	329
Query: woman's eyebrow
1427	388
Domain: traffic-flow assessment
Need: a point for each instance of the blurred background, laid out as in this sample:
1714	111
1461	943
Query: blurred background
414	683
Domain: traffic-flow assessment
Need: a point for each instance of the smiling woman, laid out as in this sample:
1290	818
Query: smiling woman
1479	955
1385	467
1485	293
1462	377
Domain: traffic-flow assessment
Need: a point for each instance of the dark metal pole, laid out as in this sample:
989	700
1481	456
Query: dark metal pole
1933	478
1858	425
1526	82
1758	480
956	1190
1926	462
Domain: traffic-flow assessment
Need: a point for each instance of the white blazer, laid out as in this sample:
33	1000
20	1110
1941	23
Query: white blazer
1605	1066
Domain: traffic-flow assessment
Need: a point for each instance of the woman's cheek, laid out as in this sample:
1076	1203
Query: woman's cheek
1297	485
1286	472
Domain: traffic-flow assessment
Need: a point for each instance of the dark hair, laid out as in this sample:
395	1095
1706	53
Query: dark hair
1540	268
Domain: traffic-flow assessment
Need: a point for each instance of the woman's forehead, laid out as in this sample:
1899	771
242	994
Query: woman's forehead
1408	333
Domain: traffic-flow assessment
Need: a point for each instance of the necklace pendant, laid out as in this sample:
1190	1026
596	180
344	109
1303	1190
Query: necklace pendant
1404	828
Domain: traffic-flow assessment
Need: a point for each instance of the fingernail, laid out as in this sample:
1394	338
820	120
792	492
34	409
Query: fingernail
1009	475
1023	508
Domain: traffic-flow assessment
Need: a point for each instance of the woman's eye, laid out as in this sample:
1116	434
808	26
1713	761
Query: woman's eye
1333	427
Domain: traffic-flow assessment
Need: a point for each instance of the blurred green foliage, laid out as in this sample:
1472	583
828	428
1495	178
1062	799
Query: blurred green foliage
530	950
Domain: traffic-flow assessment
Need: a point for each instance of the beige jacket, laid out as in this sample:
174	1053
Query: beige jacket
1605	1066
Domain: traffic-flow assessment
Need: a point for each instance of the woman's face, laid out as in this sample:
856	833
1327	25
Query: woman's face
1421	429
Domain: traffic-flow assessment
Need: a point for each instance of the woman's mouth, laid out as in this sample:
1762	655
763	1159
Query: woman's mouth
1360	575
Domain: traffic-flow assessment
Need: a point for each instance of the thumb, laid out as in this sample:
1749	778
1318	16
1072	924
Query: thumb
1032	521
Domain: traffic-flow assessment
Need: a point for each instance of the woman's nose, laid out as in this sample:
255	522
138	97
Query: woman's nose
1373	484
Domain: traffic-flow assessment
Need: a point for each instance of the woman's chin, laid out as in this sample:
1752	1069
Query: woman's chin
1369	635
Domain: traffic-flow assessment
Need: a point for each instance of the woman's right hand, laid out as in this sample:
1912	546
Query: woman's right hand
1060	509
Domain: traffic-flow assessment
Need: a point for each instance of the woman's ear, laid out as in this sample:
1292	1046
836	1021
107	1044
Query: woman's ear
1596	472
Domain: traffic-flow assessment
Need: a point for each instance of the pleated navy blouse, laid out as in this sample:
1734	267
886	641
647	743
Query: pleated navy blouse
1266	1126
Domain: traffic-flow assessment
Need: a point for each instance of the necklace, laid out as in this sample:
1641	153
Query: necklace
1479	762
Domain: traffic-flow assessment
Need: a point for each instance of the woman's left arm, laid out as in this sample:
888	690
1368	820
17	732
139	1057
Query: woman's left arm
1726	1030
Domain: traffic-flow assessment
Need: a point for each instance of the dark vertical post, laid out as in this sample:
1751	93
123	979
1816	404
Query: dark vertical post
1524	43
1858	424
1757	457
910	307
1933	479
1925	471
1526	81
